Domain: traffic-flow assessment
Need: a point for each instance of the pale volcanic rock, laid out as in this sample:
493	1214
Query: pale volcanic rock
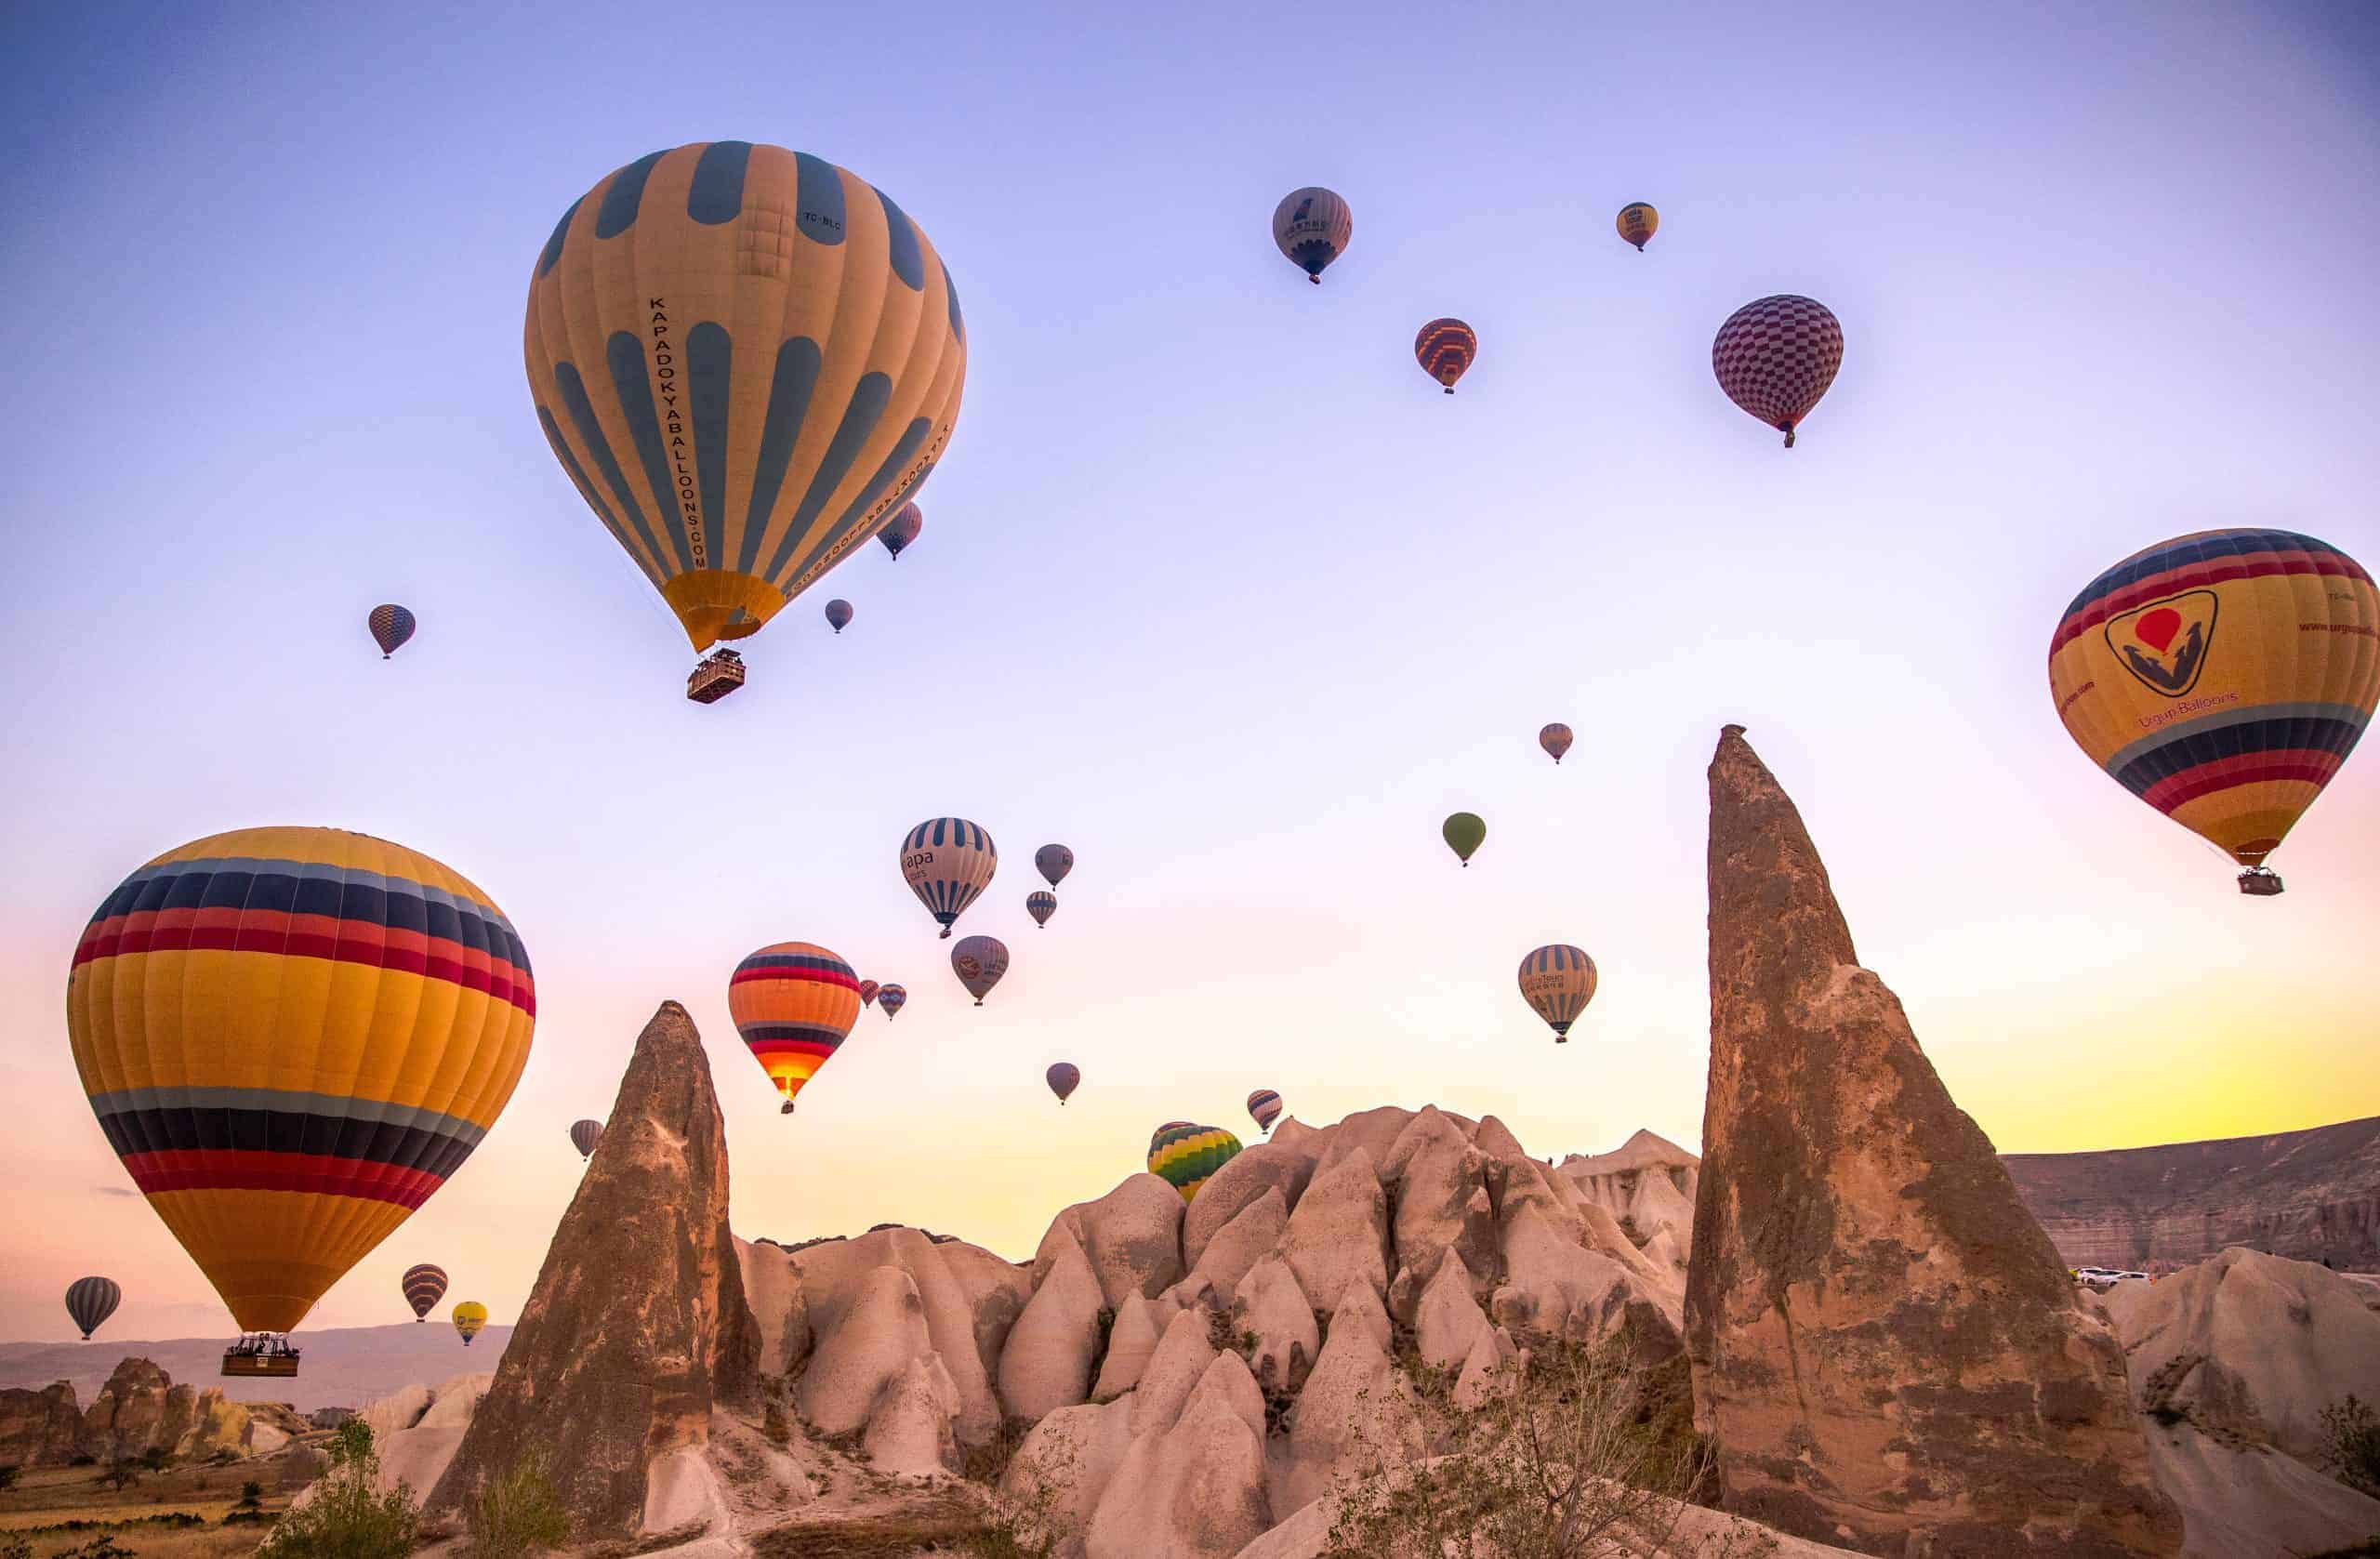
400	1409
1449	1322
1555	1287
137	1410
1337	1234
453	1400
781	1310
1290	1131
1885	1348
1355	1403
1064	1465
1372	1133
1130	1342
874	1342
1663	1252
1277	1309
1284	1165
417	1429
1489	1369
909	1434
2247	1502
1197	1490
1132	1237
1181	1358
1254	1230
1442	1198
637	1324
1047	1364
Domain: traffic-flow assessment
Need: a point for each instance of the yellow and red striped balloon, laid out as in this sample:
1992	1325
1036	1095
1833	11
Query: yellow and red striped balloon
292	1037
1445	349
794	1004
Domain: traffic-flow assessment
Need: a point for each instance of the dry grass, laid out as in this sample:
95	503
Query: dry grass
893	1536
52	1497
194	1542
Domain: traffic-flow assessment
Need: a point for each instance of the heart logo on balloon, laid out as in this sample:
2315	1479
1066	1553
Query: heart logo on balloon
2157	628
2164	644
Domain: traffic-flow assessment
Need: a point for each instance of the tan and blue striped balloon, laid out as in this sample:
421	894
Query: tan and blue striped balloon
1264	1109
948	862
1040	904
1558	980
90	1300
890	999
1312	227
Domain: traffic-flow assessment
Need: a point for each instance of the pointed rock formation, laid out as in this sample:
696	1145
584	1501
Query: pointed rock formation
1046	1365
1130	1342
1196	1491
1338	1233
1275	1309
1236	1247
39	1428
638	1323
1132	1237
1885	1348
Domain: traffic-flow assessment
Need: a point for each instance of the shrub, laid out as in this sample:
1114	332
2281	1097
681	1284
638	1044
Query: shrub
2352	1436
348	1517
251	1495
16	1545
121	1473
81	1459
518	1512
156	1458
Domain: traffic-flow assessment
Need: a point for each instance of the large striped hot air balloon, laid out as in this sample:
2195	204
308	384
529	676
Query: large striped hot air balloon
469	1316
1638	222
90	1300
948	862
292	1036
1445	349
1775	356
1312	227
423	1287
901	529
1053	861
1185	1156
1556	740
794	1004
747	359
1264	1109
2222	678
584	1135
890	999
1558	980
978	961
391	624
1064	1077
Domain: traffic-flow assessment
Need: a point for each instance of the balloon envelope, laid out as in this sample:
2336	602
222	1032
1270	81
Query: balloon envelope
901	529
90	1300
469	1316
1040	904
1185	1156
839	615
1265	1108
1064	1077
292	1036
794	1004
1556	740
890	999
1445	349
391	624
1312	227
423	1287
2222	677
948	862
1053	861
1638	222
978	961
746	359
868	990
584	1135
1775	356
1558	982
1464	832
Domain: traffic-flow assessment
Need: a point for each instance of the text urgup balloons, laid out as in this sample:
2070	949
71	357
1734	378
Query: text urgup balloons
1558	980
469	1316
948	862
1312	227
1775	356
978	961
1637	223
746	359
2222	678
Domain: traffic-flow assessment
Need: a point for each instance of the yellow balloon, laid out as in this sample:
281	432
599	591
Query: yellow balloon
469	1316
747	359
1638	222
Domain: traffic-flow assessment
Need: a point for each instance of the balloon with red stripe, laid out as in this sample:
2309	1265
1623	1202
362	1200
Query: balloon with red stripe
1445	349
868	990
423	1286
794	1004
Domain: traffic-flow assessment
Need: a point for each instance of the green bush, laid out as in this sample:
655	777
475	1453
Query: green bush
348	1517
2353	1435
518	1513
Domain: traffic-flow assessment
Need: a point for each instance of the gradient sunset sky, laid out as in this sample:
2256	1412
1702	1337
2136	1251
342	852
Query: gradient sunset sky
1215	587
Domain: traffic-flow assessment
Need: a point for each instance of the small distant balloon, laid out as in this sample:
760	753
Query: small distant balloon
901	529
1775	356
1465	832
1637	223
890	999
1312	227
391	624
1053	861
584	1135
1264	1109
1186	1156
1556	740
868	990
1064	1077
469	1316
1040	904
948	862
423	1287
1445	349
90	1300
1558	980
838	613
978	961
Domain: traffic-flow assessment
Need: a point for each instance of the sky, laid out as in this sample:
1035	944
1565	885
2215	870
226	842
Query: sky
1215	587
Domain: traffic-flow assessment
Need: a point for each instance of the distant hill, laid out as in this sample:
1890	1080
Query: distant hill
342	1367
2311	1195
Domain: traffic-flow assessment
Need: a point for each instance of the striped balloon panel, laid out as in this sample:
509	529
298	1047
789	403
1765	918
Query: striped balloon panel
868	990
746	359
291	1038
90	1300
891	998
1064	1077
1556	740
390	625
2222	677
585	1134
794	1003
1775	356
1445	349
1053	861
1313	227
948	862
423	1286
1638	222
1040	905
1265	1105
901	529
469	1316
1558	982
978	961
1184	1156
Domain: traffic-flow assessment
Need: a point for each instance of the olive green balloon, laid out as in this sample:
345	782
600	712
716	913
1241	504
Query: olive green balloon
1466	833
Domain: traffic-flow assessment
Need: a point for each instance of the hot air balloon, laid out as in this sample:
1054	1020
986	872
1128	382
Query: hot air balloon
1445	349
584	1135
1053	861
1637	223
1265	1108
1185	1156
1775	356
469	1316
1556	740
423	1287
746	359
890	999
1465	832
901	529
391	624
978	961
948	862
794	1004
90	1300
2222	678
1558	980
292	1036
1312	227
868	990
1064	1077
1040	904
839	615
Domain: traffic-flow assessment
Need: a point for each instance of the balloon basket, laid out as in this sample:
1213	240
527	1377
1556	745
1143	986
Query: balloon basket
261	1356
715	676
2260	882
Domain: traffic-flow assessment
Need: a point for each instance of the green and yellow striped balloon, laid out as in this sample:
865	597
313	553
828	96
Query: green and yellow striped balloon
1184	1156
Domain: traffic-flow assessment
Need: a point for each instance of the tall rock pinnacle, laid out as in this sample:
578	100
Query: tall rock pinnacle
638	1322
1886	1347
